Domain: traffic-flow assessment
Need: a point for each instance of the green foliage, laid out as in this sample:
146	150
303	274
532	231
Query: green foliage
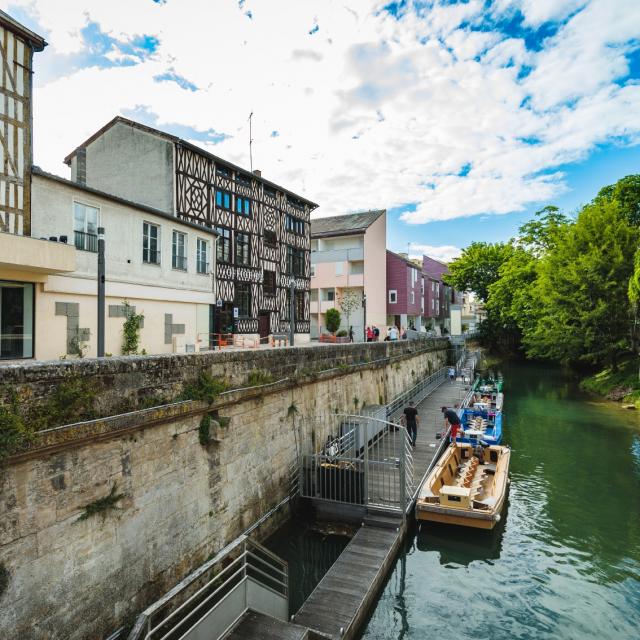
258	377
292	410
580	295
343	333
131	330
332	320
543	233
621	383
14	433
204	430
478	267
626	195
72	401
102	505
205	388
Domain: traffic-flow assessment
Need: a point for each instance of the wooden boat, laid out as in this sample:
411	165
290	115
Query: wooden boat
465	490
487	394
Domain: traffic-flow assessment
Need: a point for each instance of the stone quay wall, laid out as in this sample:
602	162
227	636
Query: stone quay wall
100	518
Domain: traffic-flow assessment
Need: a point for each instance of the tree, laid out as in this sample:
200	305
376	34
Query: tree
349	302
580	294
626	193
332	319
478	267
539	235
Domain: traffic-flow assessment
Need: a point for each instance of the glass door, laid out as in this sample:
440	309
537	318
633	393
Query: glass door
16	320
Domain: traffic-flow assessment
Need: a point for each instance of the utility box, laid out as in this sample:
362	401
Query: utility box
457	497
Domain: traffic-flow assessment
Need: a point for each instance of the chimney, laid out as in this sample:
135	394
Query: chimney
257	172
81	167
404	255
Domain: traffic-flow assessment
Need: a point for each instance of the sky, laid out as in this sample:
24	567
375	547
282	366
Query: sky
461	118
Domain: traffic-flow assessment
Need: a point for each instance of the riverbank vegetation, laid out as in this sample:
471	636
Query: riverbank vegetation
566	288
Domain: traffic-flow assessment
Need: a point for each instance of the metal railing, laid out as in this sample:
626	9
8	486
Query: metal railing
85	241
244	575
417	393
365	460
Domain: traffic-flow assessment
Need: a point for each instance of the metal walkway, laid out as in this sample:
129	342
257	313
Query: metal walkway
339	604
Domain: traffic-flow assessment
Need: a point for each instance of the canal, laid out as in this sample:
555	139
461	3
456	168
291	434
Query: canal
564	562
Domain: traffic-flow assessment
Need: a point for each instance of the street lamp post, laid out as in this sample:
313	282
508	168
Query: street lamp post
101	292
364	315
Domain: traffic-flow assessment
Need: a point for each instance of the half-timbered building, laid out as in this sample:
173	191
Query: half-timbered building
263	243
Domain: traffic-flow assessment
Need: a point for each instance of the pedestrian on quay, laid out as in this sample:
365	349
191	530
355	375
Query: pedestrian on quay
452	374
376	333
393	333
451	419
411	420
350	333
369	334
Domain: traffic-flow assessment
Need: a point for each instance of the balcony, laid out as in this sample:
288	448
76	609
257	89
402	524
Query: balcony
337	255
22	253
85	241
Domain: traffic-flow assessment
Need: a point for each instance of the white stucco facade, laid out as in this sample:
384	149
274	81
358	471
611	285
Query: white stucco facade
175	302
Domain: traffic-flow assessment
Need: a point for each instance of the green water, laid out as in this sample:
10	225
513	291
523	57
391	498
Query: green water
564	562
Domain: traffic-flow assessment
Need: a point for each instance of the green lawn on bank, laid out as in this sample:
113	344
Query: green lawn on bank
622	384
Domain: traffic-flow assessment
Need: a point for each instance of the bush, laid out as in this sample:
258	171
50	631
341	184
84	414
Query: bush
206	388
258	377
342	333
14	434
332	320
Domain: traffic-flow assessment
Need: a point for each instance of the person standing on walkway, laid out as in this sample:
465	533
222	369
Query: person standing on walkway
452	374
369	334
451	419
376	333
350	334
411	420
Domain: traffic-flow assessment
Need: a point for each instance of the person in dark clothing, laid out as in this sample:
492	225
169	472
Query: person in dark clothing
411	420
350	334
452	420
376	333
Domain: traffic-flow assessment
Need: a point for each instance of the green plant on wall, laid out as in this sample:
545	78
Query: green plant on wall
131	330
206	388
204	430
72	401
258	377
14	433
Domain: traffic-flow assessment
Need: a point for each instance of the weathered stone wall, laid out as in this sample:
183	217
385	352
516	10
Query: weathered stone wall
182	501
129	382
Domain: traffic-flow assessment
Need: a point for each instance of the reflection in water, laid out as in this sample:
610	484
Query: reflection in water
564	562
309	553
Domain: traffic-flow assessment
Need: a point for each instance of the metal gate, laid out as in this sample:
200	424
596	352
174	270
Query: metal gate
358	459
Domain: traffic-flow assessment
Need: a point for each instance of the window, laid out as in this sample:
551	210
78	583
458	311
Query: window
328	295
242	179
295	261
299	302
16	320
179	251
294	225
243	206
270	239
223	171
243	299
202	256
150	243
85	227
223	252
356	268
393	296
413	297
313	270
296	204
269	192
269	282
242	249
223	199
339	268
313	297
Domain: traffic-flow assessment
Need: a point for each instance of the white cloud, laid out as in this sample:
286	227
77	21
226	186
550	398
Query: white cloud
444	253
371	111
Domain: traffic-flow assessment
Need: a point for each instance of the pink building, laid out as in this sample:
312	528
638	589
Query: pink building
348	271
439	296
405	292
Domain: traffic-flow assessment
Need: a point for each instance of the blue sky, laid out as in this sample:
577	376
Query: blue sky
460	117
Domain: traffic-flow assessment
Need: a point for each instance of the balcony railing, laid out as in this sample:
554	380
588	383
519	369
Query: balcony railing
179	262
202	267
86	241
337	255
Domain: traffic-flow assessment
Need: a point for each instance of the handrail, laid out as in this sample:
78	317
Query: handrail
240	568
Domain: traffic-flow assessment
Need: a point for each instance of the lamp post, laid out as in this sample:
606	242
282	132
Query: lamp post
364	315
101	292
292	312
